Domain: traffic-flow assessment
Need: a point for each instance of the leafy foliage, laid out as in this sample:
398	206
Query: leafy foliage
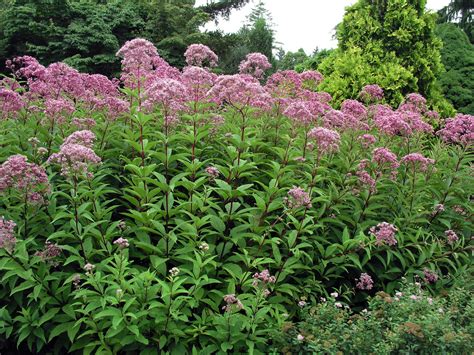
411	321
220	204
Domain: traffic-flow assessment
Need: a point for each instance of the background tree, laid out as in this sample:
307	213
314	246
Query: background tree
457	54
388	42
461	12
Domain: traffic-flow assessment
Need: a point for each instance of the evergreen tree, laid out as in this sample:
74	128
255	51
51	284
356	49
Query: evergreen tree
388	42
457	54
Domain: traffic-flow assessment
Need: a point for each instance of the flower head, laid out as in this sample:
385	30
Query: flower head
371	93
451	236
418	161
365	282
327	140
213	172
75	159
7	237
173	272
459	130
85	138
200	55
232	302
384	233
255	65
49	252
29	178
430	276
122	243
298	197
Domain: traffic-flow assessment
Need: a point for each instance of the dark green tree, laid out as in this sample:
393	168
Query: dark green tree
460	12
457	54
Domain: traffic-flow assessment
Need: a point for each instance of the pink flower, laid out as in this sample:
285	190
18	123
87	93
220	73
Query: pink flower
213	172
414	102
83	123
284	86
300	337
122	243
85	138
354	108
255	65
384	233
49	252
367	140
75	159
430	276
371	93
7	237
416	160
327	140
338	304
459	129
29	178
311	78
198	81
240	91
365	282
169	94
263	277
385	158
391	123
232	302
300	113
451	236
297	197
334	294
10	102
200	55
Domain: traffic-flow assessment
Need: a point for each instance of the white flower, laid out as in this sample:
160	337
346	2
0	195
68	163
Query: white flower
338	304
300	337
335	294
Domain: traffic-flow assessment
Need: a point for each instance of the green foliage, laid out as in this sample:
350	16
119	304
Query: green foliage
457	54
290	60
153	190
413	322
394	38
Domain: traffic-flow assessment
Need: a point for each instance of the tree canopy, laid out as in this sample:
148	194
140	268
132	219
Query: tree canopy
388	42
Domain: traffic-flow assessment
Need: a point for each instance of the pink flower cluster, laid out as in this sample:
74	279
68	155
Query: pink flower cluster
297	197
10	102
255	65
371	93
300	113
327	140
417	161
263	277
367	140
354	108
430	276
28	178
49	252
384	159
122	243
198	81
241	92
7	237
75	158
365	282
232	302
384	233
168	94
311	78
213	172
451	236
200	55
459	130
85	138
